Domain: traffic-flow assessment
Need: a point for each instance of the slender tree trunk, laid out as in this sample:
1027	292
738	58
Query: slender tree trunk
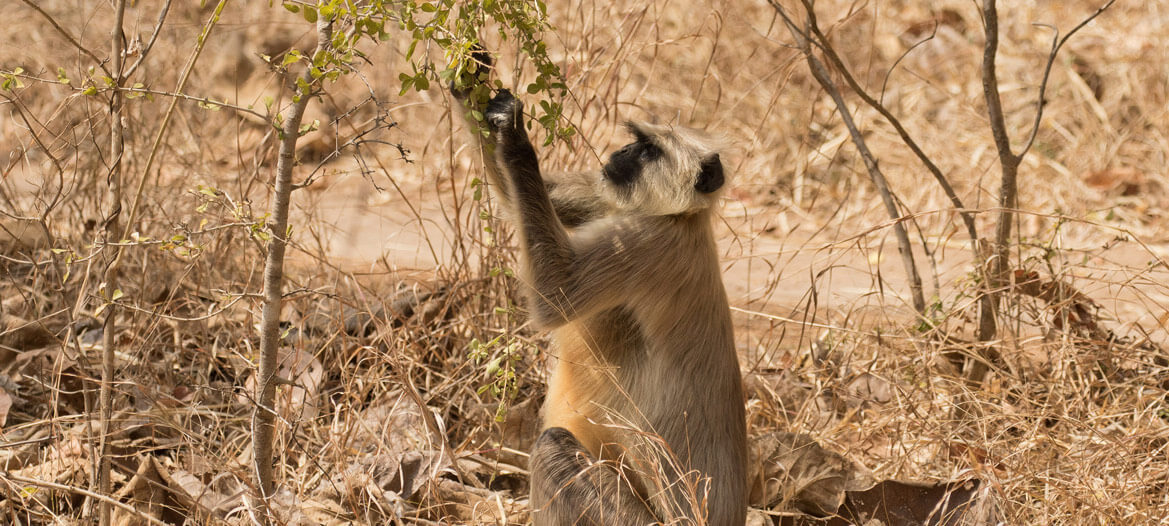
1000	249
112	232
264	417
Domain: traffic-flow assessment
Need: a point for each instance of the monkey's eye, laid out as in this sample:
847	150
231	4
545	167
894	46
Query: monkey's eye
650	152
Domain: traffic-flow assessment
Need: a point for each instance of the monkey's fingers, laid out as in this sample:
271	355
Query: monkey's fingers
504	112
474	72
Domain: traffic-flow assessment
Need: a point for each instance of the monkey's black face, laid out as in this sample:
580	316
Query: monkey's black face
625	165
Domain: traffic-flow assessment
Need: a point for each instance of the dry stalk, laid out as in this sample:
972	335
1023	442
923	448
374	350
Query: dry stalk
820	40
170	110
105	500
114	180
904	248
264	417
1009	161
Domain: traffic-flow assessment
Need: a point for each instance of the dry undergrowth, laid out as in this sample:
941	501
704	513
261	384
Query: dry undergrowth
389	416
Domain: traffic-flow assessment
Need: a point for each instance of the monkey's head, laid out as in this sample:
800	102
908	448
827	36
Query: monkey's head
665	171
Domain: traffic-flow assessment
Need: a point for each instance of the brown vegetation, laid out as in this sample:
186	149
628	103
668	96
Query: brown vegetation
412	379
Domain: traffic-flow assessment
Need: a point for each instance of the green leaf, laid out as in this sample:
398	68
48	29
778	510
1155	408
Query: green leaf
292	7
89	90
310	15
291	57
407	83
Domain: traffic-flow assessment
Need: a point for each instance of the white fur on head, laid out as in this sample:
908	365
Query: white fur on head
667	185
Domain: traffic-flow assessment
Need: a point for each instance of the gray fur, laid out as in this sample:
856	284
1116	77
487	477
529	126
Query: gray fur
644	416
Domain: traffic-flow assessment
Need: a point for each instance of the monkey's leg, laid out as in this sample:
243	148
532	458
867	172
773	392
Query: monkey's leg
569	487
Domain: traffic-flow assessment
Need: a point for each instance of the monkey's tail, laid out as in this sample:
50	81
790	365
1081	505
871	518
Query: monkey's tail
569	487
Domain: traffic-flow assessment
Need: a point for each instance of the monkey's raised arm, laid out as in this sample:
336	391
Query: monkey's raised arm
573	197
569	278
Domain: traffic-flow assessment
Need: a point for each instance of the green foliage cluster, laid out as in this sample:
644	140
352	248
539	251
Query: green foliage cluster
455	28
501	354
447	25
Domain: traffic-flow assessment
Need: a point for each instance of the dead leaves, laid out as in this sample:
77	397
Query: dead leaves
1114	182
792	472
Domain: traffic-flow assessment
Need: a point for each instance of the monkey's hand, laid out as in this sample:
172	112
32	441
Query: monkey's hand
475	73
505	114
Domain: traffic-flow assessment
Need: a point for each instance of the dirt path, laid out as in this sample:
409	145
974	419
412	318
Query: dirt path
765	271
837	274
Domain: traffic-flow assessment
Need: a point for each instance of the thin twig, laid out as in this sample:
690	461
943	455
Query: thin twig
153	37
1056	44
105	499
820	72
109	358
193	98
163	127
53	22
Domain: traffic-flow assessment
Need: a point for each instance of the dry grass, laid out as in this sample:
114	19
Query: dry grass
1069	429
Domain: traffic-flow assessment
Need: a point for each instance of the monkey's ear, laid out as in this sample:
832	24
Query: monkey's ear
711	177
634	129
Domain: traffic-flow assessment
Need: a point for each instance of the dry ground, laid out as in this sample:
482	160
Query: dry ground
398	278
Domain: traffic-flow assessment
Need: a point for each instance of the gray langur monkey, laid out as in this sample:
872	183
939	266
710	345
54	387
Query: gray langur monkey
644	420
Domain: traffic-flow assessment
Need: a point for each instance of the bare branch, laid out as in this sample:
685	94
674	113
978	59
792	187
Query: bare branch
1009	161
1056	44
153	37
822	76
990	84
967	216
53	22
